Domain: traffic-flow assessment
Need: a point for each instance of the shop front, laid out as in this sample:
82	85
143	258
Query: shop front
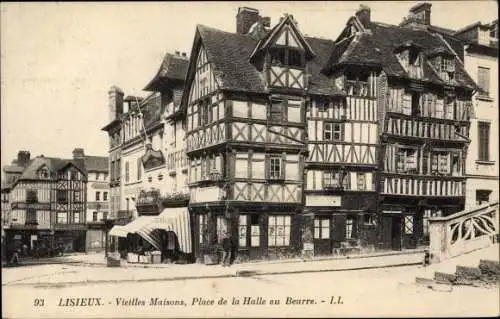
165	237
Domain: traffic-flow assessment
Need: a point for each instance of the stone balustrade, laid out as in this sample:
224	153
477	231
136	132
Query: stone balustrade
463	232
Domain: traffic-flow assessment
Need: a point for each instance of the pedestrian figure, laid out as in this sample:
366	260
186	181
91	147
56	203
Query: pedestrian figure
226	246
234	249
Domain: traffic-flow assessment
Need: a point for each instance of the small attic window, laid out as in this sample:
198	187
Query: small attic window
284	56
43	173
447	68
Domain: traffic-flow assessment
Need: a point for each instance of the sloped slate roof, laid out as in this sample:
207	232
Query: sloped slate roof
378	47
173	67
13	169
54	164
151	110
319	83
96	163
229	54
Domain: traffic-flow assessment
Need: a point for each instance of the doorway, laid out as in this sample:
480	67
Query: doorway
396	233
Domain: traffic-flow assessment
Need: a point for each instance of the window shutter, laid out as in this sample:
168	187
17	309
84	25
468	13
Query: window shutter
283	166
267	165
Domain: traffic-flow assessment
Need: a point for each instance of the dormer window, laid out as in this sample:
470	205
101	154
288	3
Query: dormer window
409	55
356	83
43	174
284	56
447	69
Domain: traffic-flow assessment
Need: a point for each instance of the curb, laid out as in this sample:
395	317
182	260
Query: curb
256	274
284	261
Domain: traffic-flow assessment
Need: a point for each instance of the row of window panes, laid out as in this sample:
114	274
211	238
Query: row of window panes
62	218
407	162
337	179
98	196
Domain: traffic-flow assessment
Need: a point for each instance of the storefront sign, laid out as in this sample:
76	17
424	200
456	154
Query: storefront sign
323	200
392	212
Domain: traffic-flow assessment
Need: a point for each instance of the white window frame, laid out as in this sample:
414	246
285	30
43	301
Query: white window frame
349	227
275	162
321	228
242	230
275	224
409	224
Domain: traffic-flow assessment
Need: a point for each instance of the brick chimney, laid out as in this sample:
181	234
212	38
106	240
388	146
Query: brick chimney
23	158
364	16
245	18
419	16
115	102
78	153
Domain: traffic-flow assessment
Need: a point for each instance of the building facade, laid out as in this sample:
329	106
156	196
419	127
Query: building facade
97	206
481	62
48	201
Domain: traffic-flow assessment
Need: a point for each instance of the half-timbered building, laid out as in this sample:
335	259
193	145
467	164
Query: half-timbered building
48	200
275	147
422	96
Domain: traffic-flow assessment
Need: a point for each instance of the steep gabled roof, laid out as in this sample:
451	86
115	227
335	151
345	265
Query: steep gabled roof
273	33
229	55
53	164
151	110
377	47
172	68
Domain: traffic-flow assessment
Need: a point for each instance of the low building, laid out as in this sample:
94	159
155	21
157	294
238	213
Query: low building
48	202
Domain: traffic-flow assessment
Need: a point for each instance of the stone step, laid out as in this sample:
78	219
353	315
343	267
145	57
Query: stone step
444	278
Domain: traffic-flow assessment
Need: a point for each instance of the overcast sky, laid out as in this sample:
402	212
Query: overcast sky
59	59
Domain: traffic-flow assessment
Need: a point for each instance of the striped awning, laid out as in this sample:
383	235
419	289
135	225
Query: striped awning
170	219
175	220
118	231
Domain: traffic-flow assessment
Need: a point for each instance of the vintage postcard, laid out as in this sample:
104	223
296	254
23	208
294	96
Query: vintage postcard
249	159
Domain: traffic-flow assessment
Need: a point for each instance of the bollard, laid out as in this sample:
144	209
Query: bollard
427	257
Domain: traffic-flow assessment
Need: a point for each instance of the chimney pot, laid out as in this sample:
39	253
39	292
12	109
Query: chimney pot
23	158
177	53
115	102
78	153
364	15
184	54
245	18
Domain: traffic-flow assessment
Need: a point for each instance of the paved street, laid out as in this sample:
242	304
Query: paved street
388	292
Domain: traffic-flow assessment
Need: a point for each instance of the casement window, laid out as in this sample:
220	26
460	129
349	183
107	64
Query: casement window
361	181
447	68
31	216
254	231
206	113
408	224
127	171
77	198
482	196
406	160
221	228
321	228
62	218
43	174
483	80
356	83
94	216
105	215
456	167
484	141
349	227
440	162
284	56
97	196
242	230
416	104
62	196
275	167
449	107
333	131
425	223
277	111
104	196
139	169
76	218
202	228
336	180
369	219
279	231
31	196
73	174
